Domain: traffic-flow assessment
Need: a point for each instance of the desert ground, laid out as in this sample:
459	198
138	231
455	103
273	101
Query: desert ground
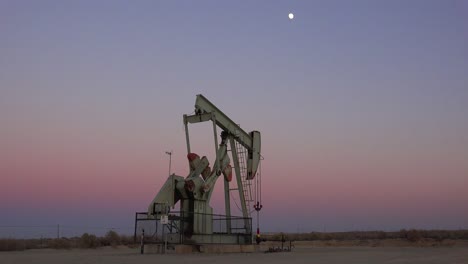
300	254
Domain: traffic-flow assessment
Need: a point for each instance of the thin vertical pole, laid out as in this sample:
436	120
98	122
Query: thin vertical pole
142	241
170	159
227	204
165	239
187	138
216	145
135	232
172	178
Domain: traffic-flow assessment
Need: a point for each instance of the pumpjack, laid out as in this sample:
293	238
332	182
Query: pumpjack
193	192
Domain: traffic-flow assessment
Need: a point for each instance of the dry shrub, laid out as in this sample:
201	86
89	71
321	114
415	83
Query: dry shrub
381	235
128	241
60	243
85	241
112	238
412	235
9	244
89	241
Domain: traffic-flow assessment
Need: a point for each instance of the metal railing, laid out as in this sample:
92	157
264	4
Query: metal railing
180	227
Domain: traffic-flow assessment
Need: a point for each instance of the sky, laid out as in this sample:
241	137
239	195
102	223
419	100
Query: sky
362	107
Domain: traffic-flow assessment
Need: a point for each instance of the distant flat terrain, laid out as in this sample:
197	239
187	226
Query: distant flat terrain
302	254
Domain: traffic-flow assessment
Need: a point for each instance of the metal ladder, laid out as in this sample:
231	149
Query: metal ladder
246	184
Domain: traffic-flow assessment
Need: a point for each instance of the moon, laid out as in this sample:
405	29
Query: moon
291	16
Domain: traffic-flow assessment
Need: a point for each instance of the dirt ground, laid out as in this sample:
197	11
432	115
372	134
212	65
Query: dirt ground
301	254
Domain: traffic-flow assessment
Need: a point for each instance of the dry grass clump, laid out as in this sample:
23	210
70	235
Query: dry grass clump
60	243
84	241
89	241
10	244
411	235
113	239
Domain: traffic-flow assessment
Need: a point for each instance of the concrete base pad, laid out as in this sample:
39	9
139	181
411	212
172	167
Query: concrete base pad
202	248
217	248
